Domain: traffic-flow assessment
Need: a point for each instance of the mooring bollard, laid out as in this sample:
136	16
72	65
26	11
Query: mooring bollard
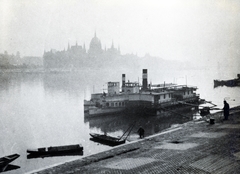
212	120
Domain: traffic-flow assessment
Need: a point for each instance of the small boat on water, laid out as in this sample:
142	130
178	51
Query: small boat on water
5	162
56	150
109	140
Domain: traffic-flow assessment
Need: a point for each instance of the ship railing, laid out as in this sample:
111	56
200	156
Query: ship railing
179	87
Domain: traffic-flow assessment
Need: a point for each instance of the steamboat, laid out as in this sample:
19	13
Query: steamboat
147	99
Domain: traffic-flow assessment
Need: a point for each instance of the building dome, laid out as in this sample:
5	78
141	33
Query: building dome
95	46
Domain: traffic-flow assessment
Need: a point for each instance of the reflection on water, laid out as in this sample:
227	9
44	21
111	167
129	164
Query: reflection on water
116	125
46	109
30	156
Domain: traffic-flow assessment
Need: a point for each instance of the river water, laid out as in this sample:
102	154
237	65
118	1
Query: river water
46	109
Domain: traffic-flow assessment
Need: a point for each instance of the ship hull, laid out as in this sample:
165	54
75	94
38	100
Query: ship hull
103	111
107	140
139	108
55	151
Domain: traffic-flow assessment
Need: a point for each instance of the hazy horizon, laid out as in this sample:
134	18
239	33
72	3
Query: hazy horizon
185	30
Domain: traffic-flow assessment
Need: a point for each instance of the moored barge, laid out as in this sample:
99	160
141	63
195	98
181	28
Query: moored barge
228	83
139	99
56	151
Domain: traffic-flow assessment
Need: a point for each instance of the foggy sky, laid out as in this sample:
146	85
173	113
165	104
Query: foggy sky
170	29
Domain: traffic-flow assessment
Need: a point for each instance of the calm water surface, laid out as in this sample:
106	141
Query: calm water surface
39	110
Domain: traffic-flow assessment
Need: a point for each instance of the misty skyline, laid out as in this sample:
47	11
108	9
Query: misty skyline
172	30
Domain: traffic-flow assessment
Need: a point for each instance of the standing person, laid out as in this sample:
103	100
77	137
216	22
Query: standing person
141	132
226	110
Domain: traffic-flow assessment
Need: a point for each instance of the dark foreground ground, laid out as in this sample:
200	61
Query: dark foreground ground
194	147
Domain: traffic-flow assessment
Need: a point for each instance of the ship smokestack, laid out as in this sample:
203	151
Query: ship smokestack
123	80
145	81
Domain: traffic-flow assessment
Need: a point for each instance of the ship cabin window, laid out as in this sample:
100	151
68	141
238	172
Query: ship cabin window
112	104
164	96
107	104
188	92
116	104
169	95
120	103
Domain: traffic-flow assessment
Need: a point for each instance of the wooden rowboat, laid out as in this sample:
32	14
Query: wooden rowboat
107	140
6	160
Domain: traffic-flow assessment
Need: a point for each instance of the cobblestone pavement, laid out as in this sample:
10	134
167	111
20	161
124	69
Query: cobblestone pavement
194	147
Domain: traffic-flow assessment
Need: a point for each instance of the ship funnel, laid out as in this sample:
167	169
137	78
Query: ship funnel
123	80
145	81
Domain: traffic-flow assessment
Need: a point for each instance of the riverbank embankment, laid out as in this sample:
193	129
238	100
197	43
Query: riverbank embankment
193	147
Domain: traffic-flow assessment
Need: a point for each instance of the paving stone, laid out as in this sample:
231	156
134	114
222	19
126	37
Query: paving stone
208	134
129	163
230	126
211	163
180	146
237	155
